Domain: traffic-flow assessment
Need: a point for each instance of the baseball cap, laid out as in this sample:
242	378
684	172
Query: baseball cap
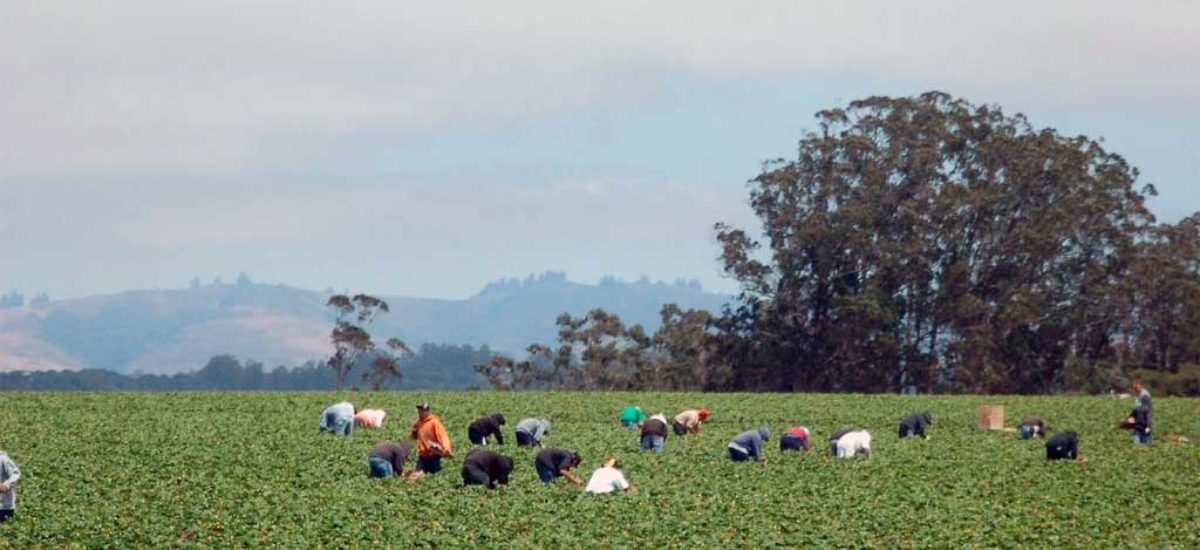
423	406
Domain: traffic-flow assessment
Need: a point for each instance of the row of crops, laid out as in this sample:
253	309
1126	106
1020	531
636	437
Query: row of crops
249	469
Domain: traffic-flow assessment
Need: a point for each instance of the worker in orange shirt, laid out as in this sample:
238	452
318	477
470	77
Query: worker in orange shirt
433	442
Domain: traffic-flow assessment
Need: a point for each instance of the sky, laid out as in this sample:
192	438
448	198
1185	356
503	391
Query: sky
408	149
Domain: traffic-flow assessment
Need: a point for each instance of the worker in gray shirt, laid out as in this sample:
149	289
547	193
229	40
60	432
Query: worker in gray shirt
531	431
9	474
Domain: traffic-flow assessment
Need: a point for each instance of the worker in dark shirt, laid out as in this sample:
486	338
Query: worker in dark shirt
1141	420
914	425
1032	426
388	458
484	467
654	433
833	439
553	463
1063	446
482	428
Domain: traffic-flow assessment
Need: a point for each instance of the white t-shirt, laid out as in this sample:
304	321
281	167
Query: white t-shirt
854	443
606	480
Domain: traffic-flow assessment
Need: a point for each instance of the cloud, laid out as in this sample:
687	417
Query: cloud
215	85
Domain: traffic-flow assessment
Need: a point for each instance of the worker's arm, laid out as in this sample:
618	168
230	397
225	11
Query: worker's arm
443	440
567	474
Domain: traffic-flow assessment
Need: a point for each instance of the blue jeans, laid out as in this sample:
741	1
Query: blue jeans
629	423
1141	438
380	467
654	443
429	464
789	442
337	425
1027	432
545	473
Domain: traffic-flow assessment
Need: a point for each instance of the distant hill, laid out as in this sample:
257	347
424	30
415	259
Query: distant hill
168	331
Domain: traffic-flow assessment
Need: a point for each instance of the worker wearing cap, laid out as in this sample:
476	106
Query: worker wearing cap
689	421
433	442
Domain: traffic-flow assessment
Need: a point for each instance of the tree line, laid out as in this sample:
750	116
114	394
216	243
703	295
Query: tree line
432	366
919	244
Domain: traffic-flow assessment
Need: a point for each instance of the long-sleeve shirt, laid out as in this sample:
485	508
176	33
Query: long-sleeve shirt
537	428
657	425
496	466
750	442
395	453
915	424
689	419
431	436
343	411
370	418
632	415
9	475
487	426
1143	400
1063	445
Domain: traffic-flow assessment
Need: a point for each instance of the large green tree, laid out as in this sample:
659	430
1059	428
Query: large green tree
930	242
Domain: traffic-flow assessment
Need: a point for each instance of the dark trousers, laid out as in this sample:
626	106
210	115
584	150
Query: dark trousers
429	464
791	443
6	515
680	429
525	440
476	438
737	455
473	475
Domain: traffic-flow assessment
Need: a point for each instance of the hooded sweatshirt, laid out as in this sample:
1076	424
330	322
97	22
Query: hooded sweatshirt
537	428
487	426
915	424
9	474
751	442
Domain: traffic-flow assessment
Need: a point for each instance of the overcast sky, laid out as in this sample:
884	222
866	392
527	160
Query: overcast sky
428	148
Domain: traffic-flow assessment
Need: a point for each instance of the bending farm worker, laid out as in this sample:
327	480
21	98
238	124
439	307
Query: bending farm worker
387	459
795	438
749	444
608	478
1032	426
632	416
555	463
484	467
9	475
531	431
654	433
433	442
1063	446
338	418
853	443
369	418
689	421
487	426
914	425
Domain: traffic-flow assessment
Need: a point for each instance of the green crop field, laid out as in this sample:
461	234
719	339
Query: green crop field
249	469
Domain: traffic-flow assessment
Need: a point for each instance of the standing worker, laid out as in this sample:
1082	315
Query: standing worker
654	433
689	421
487	468
531	431
632	416
9	475
555	463
749	444
388	458
915	424
482	428
795	438
338	418
433	442
1140	420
